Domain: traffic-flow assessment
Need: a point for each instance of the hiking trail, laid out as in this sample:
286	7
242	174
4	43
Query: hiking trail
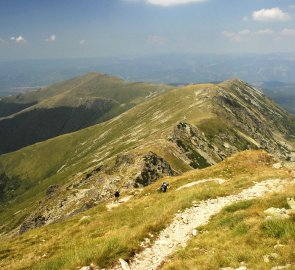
182	228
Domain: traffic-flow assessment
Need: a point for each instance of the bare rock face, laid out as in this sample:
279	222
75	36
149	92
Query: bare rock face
34	221
204	149
51	190
154	167
250	112
245	119
194	144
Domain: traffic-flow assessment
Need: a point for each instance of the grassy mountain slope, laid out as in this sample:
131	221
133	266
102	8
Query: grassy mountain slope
52	182
242	235
185	128
191	127
66	107
100	236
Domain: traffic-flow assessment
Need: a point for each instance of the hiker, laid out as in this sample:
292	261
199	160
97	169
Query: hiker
117	195
164	187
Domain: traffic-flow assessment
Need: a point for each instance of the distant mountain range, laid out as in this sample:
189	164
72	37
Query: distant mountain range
282	93
268	71
65	107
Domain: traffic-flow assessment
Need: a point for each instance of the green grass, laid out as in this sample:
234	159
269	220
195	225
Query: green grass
281	229
240	234
69	106
238	206
106	236
145	127
38	166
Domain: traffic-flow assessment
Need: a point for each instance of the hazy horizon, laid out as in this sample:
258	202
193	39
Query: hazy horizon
125	28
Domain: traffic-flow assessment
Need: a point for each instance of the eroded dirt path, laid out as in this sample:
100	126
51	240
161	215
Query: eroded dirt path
217	180
180	230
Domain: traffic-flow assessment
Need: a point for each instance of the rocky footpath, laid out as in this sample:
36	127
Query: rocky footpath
184	224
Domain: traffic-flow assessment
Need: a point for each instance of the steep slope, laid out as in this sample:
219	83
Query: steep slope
66	107
101	236
191	127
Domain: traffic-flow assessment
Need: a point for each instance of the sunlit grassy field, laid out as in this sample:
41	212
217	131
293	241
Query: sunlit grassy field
102	236
240	235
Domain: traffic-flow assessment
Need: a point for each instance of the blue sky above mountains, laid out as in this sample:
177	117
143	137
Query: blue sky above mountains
95	28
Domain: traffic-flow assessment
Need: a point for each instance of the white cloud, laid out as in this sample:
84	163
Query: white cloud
287	32
18	40
52	38
166	3
246	34
82	42
264	32
155	40
236	36
272	14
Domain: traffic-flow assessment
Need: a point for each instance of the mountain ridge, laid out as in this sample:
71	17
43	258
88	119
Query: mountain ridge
191	127
68	106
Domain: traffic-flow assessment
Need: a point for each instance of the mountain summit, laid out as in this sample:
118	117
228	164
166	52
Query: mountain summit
66	107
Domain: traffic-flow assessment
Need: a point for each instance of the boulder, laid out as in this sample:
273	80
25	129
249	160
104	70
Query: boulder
277	213
226	145
291	203
124	264
277	165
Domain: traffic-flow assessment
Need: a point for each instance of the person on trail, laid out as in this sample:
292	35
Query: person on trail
164	187
117	195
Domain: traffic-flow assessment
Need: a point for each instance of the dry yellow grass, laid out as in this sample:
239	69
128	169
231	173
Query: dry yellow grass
105	236
241	235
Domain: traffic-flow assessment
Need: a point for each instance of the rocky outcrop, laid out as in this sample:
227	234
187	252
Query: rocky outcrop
51	190
204	149
154	167
194	144
281	213
124	173
253	114
34	221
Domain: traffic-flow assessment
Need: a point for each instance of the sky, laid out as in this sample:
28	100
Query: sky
41	29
